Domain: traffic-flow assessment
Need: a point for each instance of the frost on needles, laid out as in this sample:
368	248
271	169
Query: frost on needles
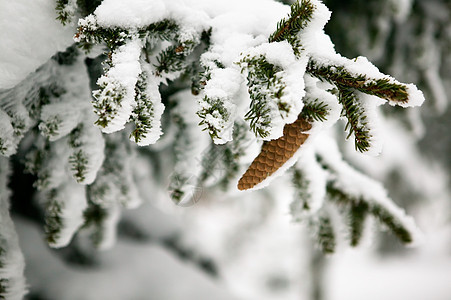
231	88
292	73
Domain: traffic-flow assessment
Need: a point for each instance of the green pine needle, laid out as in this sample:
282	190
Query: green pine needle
383	88
315	111
357	123
288	28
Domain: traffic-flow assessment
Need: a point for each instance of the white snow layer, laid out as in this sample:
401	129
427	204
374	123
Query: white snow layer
222	87
8	143
71	196
360	186
121	77
281	55
12	263
154	133
23	48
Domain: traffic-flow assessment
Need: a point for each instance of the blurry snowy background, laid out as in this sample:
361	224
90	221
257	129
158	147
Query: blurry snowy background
248	247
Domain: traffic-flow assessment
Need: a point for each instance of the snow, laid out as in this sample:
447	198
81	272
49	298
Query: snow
356	275
23	46
129	271
190	149
360	186
93	146
370	105
154	133
222	87
12	262
130	14
7	139
122	76
316	189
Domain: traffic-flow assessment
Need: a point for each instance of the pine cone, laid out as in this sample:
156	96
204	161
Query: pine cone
275	153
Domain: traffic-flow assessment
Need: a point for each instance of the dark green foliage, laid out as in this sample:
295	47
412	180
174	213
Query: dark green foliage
289	28
326	235
215	106
385	217
35	163
356	116
143	111
383	88
79	162
63	14
4	283
359	207
2	146
315	111
112	37
103	106
264	86
169	60
53	219
95	216
164	30
51	127
68	57
357	216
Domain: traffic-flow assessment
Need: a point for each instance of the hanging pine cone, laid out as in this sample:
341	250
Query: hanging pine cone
275	153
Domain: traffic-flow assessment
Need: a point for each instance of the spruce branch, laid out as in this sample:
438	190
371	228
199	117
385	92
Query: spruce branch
357	216
384	88
106	101
355	114
315	111
79	162
288	28
100	222
53	218
164	30
211	109
326	235
359	207
143	112
65	10
266	89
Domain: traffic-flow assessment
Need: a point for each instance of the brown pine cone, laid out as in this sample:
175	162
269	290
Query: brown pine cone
275	153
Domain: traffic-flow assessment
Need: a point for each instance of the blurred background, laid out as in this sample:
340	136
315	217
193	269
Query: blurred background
248	246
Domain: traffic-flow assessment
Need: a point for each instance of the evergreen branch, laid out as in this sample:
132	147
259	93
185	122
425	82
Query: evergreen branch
169	61
383	88
265	87
64	12
164	30
288	28
326	235
143	112
315	111
358	207
355	114
79	162
106	101
213	108
53	218
357	216
95	216
392	223
172	58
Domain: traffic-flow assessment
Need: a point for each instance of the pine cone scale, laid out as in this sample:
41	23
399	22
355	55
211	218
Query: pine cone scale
275	153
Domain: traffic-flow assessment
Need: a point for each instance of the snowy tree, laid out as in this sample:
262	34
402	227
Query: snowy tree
135	101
